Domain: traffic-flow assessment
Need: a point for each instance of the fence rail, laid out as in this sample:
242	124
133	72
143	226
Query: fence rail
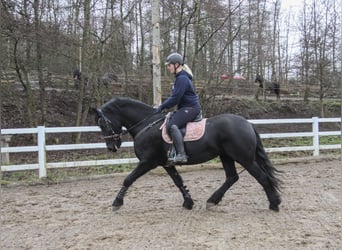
42	148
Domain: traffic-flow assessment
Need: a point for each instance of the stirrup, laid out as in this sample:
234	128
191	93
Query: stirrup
180	158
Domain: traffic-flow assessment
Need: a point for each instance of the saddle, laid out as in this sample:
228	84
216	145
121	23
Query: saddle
192	132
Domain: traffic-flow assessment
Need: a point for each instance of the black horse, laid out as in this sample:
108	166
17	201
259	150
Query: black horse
231	137
269	86
106	79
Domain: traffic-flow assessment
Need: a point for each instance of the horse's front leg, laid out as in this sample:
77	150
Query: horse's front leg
118	202
177	179
140	170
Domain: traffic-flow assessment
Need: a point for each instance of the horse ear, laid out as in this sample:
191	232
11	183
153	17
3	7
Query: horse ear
97	111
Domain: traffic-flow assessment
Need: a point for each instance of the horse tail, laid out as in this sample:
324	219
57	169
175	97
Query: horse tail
265	164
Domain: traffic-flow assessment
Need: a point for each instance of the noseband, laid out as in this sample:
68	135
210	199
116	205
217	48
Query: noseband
109	126
115	137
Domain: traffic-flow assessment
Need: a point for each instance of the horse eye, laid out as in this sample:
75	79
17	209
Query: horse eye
100	121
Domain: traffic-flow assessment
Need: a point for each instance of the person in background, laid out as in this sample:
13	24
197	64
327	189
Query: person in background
183	96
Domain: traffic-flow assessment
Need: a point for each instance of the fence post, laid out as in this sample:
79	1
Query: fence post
315	130
4	140
41	152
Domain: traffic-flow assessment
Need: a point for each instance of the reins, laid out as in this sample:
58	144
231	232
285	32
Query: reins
150	125
143	120
117	136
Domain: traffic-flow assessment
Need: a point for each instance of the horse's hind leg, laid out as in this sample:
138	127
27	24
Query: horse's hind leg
177	179
231	178
261	176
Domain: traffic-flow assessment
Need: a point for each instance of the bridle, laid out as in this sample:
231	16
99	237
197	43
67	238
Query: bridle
109	126
117	136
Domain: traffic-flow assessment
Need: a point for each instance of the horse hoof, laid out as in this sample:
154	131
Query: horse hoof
274	208
187	207
210	205
188	204
115	208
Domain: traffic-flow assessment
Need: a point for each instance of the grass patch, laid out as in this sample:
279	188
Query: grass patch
31	177
299	141
332	103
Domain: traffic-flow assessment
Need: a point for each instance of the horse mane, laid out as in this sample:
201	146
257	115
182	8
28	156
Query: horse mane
121	102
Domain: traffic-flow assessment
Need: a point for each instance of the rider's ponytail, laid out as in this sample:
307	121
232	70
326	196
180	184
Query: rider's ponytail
187	69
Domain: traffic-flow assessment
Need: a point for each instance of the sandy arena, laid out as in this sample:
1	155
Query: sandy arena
78	215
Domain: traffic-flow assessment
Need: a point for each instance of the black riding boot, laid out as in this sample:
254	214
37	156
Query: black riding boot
177	139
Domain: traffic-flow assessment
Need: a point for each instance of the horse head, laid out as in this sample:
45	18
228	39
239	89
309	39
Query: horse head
259	79
111	130
77	74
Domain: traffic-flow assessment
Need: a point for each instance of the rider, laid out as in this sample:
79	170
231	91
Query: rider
184	96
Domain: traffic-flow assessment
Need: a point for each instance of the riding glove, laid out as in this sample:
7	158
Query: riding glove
159	110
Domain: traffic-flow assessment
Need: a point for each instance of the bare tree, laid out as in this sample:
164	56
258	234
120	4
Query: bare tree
39	59
261	19
321	47
274	39
17	29
317	45
84	63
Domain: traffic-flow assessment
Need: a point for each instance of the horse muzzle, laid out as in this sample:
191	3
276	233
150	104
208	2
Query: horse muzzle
113	146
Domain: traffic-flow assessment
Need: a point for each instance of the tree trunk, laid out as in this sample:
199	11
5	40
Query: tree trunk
156	53
39	68
180	27
30	106
84	57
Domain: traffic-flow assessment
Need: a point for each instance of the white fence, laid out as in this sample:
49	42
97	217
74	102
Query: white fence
41	147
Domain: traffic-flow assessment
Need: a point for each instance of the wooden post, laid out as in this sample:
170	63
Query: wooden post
4	140
156	53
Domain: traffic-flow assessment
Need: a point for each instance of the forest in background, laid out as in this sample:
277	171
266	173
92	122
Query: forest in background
103	38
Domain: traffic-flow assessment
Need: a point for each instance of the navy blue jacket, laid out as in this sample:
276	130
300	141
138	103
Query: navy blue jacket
183	93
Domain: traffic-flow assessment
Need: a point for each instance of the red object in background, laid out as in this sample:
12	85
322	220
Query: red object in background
236	77
239	77
224	77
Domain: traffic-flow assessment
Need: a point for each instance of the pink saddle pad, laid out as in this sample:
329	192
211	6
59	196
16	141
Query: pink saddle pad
194	131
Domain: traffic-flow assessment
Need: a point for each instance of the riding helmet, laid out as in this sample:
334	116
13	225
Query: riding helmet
174	58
